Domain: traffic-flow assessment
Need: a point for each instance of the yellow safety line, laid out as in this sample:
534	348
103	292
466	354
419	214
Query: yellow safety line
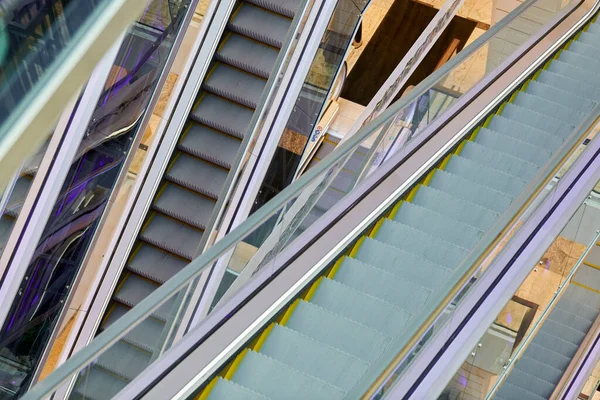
288	313
585	287
206	392
589	264
338	264
235	364
376	228
261	340
313	288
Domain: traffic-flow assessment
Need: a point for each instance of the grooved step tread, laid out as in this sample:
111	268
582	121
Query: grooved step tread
260	24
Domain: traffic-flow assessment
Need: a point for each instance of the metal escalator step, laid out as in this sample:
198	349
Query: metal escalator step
525	133
420	243
581	310
547	356
501	161
566	318
563	332
184	205
283	7
260	24
555	343
309	356
235	85
96	383
472	181
455	208
549	108
6	225
588	90
582	61
381	284
544	371
536	120
566	98
590	39
211	145
586	49
172	236
312	217
147	335
337	331
198	175
573	72
509	391
248	55
360	307
124	359
134	289
533	383
227	390
343	181
513	147
155	264
224	115
438	225
589	275
19	193
575	293
273	379
401	263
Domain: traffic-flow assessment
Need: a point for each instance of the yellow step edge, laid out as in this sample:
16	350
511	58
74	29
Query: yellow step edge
288	313
206	392
375	229
412	193
589	264
313	288
236	363
339	261
459	148
473	135
597	243
585	287
445	162
263	336
429	177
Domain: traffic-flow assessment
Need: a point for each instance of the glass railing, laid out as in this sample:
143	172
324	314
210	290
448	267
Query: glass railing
290	208
49	46
503	343
85	194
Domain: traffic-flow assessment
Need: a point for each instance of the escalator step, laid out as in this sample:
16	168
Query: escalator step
559	346
565	98
235	85
185	205
544	371
573	307
124	359
438	225
211	145
153	263
590	39
96	383
582	61
510	392
273	379
248	55
134	289
381	284
550	109
260	24
513	147
536	120
470	185
585	49
224	115
337	331
566	318
147	335
501	161
360	307
563	332
6	225
455	208
227	390
420	243
172	236
573	72
400	263
283	7
309	356
579	295
523	132
533	383
198	175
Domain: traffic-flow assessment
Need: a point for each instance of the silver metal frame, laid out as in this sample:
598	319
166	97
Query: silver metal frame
37	112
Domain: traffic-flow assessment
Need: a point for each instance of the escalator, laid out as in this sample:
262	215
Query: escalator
180	214
326	341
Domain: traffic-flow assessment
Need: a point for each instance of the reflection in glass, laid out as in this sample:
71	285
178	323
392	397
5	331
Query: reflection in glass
86	191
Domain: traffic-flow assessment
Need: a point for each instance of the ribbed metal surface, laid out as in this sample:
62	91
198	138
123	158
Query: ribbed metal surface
193	181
